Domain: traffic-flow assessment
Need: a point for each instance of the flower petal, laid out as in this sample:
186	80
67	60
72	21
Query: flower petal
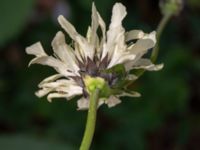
131	77
147	65
112	101
118	14
85	47
144	44
63	88
134	34
50	79
64	52
119	58
83	103
115	34
52	62
99	48
94	26
56	95
36	49
42	92
130	94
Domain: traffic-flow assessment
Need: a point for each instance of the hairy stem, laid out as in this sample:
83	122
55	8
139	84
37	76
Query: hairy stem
159	31
91	121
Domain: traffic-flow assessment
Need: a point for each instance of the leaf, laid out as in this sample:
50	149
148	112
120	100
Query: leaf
14	15
21	142
119	70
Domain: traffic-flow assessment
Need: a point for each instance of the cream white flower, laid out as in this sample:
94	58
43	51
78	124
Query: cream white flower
93	56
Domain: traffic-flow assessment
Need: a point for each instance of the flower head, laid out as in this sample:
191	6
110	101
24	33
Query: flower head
102	61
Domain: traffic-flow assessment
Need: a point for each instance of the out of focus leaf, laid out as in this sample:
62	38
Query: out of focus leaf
18	142
13	16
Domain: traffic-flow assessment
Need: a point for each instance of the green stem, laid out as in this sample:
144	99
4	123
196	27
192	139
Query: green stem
159	31
91	121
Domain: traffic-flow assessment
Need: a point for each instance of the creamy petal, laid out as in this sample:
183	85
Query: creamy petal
131	94
67	88
89	34
64	52
87	49
144	44
50	79
52	62
121	58
147	65
129	64
115	34
131	77
43	92
55	95
134	34
61	83
103	30
112	101
36	49
94	26
118	14
83	104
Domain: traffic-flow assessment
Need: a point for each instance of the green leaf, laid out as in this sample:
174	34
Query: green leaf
119	70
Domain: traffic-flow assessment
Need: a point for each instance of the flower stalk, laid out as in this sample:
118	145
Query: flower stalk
91	120
159	30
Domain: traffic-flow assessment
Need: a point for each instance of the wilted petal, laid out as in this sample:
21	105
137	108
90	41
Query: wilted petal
63	88
134	34
52	62
112	101
144	44
70	84
131	77
36	49
50	79
64	52
147	65
87	49
129	65
103	28
43	92
89	34
71	90
94	26
92	35
120	58
56	95
130	94
115	34
118	14
83	104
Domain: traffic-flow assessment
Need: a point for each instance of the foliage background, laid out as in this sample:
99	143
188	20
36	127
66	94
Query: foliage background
167	115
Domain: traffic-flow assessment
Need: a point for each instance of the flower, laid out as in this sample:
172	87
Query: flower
107	58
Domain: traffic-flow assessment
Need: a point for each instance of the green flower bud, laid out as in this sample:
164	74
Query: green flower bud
171	7
93	83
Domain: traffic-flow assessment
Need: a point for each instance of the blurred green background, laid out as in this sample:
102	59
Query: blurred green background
166	117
